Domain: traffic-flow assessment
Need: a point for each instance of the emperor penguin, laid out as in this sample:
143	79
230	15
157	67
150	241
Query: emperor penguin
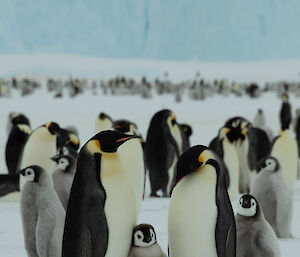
272	193
103	122
144	242
251	144
40	147
297	128
101	213
285	112
15	145
126	127
285	150
255	236
43	216
164	145
224	148
16	118
63	176
200	208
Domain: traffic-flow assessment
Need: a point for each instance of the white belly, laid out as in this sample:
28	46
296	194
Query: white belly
120	211
232	163
285	150
132	159
193	215
38	151
171	173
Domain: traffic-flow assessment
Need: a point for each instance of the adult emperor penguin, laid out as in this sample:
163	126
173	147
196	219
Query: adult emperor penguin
255	236
252	144
63	176
43	216
15	145
200	208
164	145
285	149
101	213
272	193
103	122
285	112
222	146
40	147
144	242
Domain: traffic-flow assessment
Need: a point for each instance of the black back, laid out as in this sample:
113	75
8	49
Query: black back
225	232
86	229
14	149
259	146
161	150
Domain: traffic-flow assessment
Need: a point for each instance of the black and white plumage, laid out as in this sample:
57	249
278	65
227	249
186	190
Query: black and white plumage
255	237
102	204
42	214
16	118
200	207
164	145
69	138
63	176
272	193
144	242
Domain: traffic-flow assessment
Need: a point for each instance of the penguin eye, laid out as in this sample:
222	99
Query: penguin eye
139	236
28	173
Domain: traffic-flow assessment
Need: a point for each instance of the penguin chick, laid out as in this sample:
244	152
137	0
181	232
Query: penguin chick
255	237
270	189
63	176
144	242
42	214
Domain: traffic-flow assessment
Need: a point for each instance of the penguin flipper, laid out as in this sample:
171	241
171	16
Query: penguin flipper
231	242
98	228
9	184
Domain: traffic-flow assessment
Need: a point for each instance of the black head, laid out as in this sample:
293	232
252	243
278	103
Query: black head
103	116
269	163
32	173
193	159
248	206
53	128
124	126
143	235
260	111
67	137
238	128
109	141
18	118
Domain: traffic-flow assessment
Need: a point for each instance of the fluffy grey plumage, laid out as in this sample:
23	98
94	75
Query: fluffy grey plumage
255	237
144	242
63	177
272	193
42	214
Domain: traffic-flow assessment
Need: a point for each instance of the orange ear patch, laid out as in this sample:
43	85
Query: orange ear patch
97	143
201	159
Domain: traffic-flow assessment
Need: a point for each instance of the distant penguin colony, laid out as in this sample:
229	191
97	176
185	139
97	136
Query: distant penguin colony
86	200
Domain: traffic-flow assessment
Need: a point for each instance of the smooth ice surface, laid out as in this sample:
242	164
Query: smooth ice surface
205	117
207	30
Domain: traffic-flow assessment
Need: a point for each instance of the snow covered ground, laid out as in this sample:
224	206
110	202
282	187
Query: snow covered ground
205	117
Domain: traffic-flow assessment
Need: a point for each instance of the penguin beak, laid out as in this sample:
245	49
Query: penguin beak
147	239
262	164
246	203
22	172
55	158
124	139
